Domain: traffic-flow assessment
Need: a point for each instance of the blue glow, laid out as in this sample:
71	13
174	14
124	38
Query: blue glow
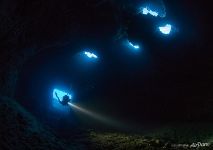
147	11
133	46
55	103
166	29
90	55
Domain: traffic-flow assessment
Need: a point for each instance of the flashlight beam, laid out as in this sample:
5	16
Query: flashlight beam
89	113
94	115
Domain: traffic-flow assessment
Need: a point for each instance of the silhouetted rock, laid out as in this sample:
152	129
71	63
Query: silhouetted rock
20	130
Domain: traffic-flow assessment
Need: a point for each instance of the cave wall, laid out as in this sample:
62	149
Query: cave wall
20	130
26	28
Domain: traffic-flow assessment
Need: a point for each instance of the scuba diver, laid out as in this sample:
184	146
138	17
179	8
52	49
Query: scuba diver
65	100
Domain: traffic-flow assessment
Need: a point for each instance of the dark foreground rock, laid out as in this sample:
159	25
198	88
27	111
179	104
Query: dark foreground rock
19	130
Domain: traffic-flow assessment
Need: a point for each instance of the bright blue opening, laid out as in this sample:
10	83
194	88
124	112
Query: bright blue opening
90	55
133	46
56	104
166	29
146	11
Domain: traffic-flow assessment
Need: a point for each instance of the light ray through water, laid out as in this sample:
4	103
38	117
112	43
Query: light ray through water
95	116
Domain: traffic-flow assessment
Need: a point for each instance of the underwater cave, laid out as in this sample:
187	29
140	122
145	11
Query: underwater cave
105	74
